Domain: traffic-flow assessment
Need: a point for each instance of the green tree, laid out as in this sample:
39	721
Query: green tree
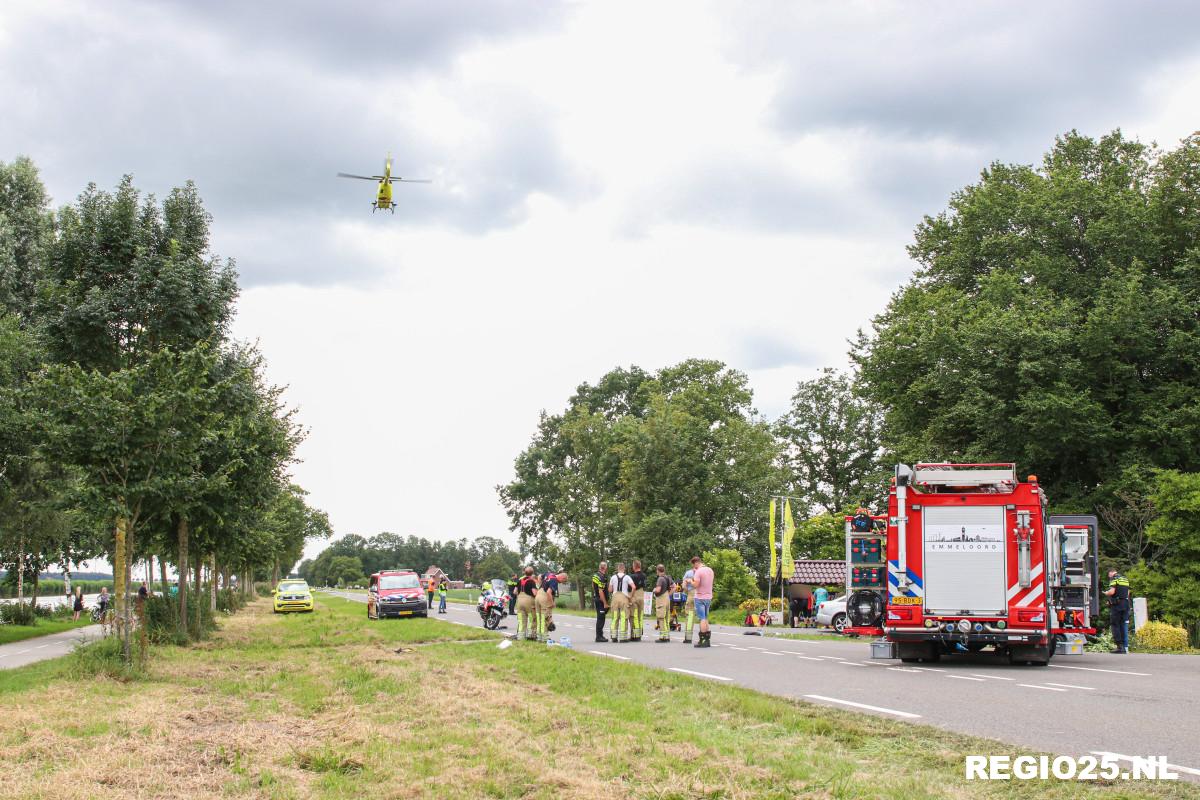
26	230
732	580
833	447
345	570
1172	585
494	565
1054	320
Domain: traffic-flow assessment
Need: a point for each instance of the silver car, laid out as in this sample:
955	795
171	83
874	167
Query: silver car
832	614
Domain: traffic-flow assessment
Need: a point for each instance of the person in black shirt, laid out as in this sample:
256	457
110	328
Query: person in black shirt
512	594
637	601
1118	610
600	599
662	603
526	607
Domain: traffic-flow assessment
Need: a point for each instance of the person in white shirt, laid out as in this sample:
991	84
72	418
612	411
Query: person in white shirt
620	589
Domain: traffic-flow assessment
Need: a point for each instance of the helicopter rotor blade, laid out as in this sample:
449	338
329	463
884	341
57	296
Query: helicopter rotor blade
411	180
360	177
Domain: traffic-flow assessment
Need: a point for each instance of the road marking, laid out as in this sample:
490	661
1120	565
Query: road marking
808	658
40	646
902	669
1071	686
852	664
905	714
929	669
1035	686
964	678
1121	757
771	653
1097	669
610	655
23	652
735	647
873	664
993	677
701	674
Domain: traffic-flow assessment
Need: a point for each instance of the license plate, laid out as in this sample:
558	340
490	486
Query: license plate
405	613
906	601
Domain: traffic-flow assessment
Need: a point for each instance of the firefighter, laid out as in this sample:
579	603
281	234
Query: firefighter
678	598
689	605
1118	610
512	594
662	603
526	611
600	599
637	602
862	522
443	588
546	597
620	589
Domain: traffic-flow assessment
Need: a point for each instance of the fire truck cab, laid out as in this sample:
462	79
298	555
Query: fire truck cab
967	559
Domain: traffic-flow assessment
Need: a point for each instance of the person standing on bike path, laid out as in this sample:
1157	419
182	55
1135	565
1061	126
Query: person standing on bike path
620	589
600	599
526	607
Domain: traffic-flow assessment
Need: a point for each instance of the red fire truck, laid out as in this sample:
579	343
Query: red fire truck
968	559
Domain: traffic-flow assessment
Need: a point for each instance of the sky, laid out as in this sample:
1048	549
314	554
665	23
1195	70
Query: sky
614	183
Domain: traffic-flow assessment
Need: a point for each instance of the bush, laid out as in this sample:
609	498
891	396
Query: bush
1163	636
17	614
230	600
100	658
756	604
732	581
162	620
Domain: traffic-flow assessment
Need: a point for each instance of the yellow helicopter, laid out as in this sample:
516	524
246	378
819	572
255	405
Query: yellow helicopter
383	199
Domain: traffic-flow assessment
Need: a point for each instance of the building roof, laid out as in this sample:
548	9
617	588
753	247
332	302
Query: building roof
819	572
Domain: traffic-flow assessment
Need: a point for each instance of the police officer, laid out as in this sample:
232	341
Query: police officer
600	599
546	597
1118	609
637	601
662	603
512	594
526	607
620	589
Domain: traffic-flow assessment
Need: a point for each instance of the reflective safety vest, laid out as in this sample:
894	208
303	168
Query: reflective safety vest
442	587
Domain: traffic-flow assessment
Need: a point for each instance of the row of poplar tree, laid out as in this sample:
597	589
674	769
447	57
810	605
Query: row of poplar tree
131	424
1052	320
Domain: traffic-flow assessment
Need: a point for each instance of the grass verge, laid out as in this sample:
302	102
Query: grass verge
44	627
331	705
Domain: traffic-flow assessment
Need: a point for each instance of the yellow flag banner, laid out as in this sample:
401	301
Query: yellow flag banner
771	538
789	533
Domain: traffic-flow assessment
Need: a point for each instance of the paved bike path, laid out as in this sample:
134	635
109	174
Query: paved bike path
40	648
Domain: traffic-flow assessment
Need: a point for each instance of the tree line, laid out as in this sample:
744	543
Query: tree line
131	424
1053	320
351	558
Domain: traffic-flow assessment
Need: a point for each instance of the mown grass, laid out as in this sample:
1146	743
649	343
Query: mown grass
329	705
43	627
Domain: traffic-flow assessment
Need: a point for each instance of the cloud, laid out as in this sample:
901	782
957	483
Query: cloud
771	351
263	130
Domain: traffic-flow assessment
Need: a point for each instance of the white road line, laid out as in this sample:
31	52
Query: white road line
1121	757
808	658
1035	686
851	664
904	714
1097	669
609	655
964	678
40	646
23	652
701	674
993	677
902	669
771	653
735	647
1071	686
929	669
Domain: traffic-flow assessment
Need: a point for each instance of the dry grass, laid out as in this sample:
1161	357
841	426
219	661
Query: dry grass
326	706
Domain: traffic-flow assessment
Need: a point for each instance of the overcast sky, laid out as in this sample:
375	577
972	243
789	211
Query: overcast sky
614	184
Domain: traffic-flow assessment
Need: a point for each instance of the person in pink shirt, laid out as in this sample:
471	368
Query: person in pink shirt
702	579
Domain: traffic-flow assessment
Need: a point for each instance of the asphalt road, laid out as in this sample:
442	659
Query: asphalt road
18	654
1131	705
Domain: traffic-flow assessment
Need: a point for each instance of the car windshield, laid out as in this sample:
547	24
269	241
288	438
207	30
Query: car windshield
399	582
293	587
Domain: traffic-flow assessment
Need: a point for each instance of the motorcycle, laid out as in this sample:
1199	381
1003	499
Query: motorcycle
492	608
